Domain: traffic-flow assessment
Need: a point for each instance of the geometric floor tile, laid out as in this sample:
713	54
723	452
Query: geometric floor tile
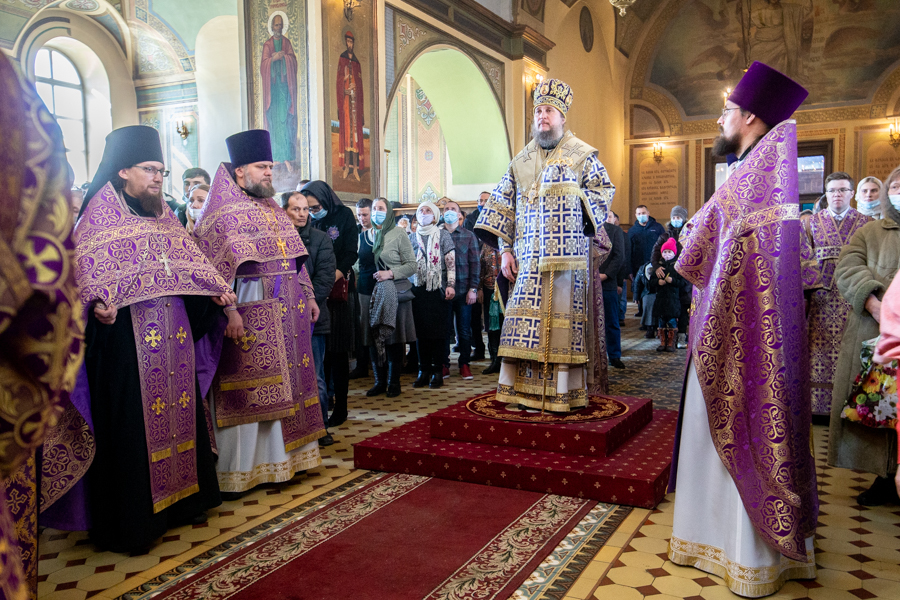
858	548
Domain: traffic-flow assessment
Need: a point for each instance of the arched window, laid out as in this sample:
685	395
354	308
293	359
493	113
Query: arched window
61	88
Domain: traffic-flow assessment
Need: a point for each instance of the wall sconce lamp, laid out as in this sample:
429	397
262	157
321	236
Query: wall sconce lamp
181	129
894	134
658	152
349	6
725	95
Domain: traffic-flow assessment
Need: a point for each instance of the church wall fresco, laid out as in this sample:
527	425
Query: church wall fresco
278	85
351	130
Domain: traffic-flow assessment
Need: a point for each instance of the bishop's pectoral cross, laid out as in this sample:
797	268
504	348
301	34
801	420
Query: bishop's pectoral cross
165	261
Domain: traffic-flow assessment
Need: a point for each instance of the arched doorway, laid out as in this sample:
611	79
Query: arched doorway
445	130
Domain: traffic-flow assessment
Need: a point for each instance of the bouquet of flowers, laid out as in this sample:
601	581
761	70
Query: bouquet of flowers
873	397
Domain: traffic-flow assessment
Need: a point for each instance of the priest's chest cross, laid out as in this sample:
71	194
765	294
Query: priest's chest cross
165	262
282	246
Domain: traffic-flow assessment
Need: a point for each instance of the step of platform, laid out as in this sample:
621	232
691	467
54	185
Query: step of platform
636	473
592	438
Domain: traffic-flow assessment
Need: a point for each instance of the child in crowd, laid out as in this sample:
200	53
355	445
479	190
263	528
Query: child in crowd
667	306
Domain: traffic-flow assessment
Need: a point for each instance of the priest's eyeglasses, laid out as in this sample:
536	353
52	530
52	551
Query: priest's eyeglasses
152	171
725	110
838	191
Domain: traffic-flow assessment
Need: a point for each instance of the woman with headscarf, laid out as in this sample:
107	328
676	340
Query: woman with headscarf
865	269
868	197
433	287
386	259
329	214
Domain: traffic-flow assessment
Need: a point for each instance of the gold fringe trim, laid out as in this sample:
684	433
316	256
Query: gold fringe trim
538	390
310	401
232	421
574	358
561	189
550	405
241	481
551	264
768	580
184	447
167	502
497	232
305	440
160	455
242	385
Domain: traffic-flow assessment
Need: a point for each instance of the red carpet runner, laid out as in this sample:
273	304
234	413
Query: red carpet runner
400	537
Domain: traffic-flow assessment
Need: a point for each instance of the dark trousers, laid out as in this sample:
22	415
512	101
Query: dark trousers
460	313
611	323
477	336
431	354
337	369
684	318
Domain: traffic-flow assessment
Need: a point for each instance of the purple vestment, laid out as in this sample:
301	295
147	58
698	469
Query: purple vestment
748	339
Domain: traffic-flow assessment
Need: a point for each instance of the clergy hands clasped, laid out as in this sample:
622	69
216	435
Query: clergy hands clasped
226	299
104	314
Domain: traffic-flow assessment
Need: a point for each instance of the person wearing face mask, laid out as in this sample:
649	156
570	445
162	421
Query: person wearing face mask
678	217
434	286
642	237
823	236
329	214
865	269
196	198
386	259
468	275
868	197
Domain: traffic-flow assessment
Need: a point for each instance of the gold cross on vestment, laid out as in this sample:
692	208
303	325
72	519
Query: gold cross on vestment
39	261
246	340
184	400
281	246
181	335
165	261
306	360
153	338
158	406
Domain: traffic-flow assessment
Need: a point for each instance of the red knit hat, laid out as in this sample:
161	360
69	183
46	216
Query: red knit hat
670	245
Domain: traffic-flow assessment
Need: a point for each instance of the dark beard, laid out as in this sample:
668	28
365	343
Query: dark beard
546	139
260	190
723	146
151	203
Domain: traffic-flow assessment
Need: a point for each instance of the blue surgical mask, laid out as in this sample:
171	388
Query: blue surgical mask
677	223
895	200
451	217
378	216
643	219
318	216
869	208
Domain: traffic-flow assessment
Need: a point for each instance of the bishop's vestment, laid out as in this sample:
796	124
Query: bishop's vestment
823	237
546	210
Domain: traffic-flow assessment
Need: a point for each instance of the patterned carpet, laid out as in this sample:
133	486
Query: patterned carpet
614	553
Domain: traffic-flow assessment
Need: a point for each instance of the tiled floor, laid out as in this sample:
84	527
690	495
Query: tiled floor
858	549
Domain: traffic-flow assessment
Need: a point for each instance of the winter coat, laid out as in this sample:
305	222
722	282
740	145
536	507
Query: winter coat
668	297
642	238
613	261
320	266
656	259
866	266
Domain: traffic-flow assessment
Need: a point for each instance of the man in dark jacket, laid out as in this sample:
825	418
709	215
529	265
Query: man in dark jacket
320	265
624	272
642	235
674	228
478	308
609	273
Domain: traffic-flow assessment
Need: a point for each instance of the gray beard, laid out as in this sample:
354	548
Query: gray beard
546	139
260	190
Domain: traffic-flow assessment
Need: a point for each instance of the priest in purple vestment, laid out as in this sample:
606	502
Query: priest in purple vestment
149	294
41	330
823	236
265	396
746	506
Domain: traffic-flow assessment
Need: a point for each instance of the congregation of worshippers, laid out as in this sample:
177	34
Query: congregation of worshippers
222	328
